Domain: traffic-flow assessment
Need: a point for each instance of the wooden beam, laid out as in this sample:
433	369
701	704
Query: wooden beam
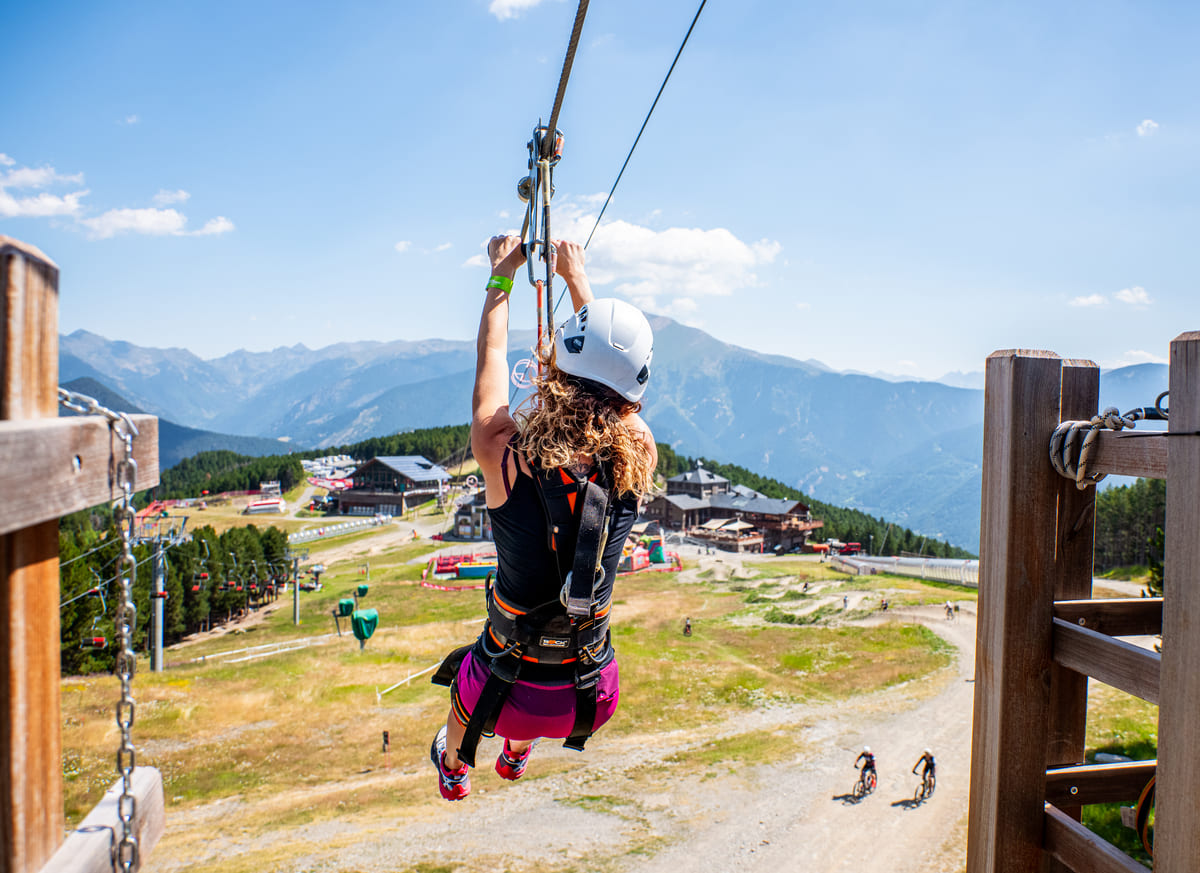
28	332
1124	617
1016	596
1097	783
31	803
50	467
1074	546
1081	850
1130	453
1176	834
1112	661
88	848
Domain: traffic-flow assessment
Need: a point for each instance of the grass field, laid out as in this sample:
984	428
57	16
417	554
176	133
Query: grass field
288	731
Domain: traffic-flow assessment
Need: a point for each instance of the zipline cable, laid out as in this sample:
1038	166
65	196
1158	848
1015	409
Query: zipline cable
643	127
576	30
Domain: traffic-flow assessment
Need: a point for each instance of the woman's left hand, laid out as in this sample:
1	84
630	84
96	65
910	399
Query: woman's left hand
506	255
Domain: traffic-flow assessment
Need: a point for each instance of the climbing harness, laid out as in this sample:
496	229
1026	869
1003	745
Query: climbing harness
569	635
1072	441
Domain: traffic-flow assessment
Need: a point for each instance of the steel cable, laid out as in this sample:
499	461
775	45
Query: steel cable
552	127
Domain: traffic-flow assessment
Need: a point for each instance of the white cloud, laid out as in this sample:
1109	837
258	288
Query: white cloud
1134	356
153	222
801	304
502	214
505	9
166	198
1135	296
149	220
403	245
443	247
215	226
906	365
131	119
42	205
1089	300
477	261
1147	128
658	268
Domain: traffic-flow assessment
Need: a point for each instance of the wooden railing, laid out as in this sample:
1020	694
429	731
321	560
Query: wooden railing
1040	635
48	467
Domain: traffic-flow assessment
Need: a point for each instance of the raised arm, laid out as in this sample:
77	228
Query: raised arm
569	265
491	423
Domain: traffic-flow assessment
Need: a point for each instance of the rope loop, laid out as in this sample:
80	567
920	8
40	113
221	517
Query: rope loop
1072	441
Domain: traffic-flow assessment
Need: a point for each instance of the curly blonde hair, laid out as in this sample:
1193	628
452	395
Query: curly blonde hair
568	417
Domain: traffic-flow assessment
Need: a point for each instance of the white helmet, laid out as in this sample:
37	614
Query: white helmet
929	752
866	750
610	342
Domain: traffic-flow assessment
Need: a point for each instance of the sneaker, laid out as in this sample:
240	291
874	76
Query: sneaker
454	784
511	766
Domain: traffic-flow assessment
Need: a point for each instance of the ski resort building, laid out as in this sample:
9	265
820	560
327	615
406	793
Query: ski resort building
732	517
391	485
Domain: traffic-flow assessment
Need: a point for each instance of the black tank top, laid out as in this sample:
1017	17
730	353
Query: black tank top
529	573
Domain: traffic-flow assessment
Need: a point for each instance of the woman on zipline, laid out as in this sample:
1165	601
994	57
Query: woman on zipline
563	482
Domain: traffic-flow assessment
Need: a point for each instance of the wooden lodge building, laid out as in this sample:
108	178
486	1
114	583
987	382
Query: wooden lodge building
732	517
392	484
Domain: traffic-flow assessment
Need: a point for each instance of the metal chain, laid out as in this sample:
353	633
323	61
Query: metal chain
125	853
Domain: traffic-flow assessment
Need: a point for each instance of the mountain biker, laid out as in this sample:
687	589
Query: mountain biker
544	665
930	765
868	762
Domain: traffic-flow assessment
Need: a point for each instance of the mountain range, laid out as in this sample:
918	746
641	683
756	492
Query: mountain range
906	450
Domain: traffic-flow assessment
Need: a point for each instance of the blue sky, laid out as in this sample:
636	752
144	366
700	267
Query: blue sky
901	187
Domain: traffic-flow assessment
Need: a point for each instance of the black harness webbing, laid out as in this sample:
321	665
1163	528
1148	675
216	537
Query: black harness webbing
578	513
589	552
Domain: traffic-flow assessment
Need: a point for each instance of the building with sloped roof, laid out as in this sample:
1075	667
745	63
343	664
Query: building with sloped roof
696	499
697	483
391	485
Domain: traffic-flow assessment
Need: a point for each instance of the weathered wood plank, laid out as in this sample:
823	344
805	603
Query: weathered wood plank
1075	535
28	332
1097	783
1176	835
1081	850
1126	616
1114	662
1016	595
88	848
31	806
1129	453
54	466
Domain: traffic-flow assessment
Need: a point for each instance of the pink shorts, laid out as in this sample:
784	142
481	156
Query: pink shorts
534	710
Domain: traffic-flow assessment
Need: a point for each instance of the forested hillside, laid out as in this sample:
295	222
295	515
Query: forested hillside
1128	521
89	545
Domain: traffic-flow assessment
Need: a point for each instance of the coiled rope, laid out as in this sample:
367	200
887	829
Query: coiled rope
1072	441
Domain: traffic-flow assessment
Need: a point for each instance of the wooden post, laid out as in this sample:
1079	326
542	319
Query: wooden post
31	805
1176	834
1016	594
1073	579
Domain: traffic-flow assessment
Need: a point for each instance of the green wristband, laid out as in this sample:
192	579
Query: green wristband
502	282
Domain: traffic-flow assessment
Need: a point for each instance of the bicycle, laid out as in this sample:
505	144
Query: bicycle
867	780
925	789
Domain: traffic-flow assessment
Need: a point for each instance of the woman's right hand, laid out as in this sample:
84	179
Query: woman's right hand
569	259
